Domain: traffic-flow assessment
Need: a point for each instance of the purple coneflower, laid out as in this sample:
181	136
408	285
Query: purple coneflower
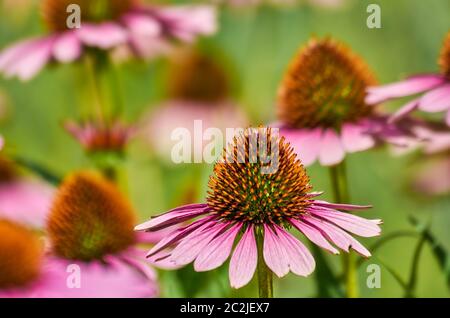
91	225
321	105
434	89
105	24
256	210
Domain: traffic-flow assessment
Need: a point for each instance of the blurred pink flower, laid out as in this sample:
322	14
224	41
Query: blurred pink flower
94	136
122	22
23	199
435	90
322	110
91	249
231	210
198	91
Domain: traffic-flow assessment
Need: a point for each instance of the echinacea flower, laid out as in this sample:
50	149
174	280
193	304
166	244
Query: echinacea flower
105	25
198	91
434	89
91	225
245	202
321	105
22	199
94	136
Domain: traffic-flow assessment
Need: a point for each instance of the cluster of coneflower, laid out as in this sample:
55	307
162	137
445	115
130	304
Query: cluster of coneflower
248	214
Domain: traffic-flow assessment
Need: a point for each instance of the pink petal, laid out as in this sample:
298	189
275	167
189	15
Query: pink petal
306	143
314	235
142	24
116	279
275	254
301	262
244	260
339	206
67	47
349	222
217	251
331	149
30	60
339	237
405	110
172	217
437	100
354	139
177	235
105	36
191	246
26	202
186	22
410	86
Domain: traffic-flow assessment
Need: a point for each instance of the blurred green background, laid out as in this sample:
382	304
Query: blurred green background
259	43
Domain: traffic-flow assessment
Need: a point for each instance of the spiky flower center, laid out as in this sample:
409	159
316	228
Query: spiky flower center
196	77
55	11
324	87
241	190
20	255
89	219
444	58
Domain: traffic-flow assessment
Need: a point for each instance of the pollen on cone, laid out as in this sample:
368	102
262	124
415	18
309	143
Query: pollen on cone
20	255
89	218
324	85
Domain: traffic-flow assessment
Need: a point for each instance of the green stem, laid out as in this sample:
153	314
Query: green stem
338	177
94	71
265	278
412	282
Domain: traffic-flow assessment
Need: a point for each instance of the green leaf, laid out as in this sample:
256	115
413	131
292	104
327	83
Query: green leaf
327	283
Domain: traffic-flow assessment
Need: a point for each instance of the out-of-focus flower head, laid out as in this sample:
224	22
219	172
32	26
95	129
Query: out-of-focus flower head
198	90
321	105
434	89
105	25
90	225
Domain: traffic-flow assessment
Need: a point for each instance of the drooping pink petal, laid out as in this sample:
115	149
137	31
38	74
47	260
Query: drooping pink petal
173	217
314	235
352	223
340	206
191	246
410	86
105	35
274	253
26	202
301	262
405	110
187	22
142	24
244	260
331	148
354	138
116	279
437	100
217	251
306	143
179	234
30	59
340	238
67	47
